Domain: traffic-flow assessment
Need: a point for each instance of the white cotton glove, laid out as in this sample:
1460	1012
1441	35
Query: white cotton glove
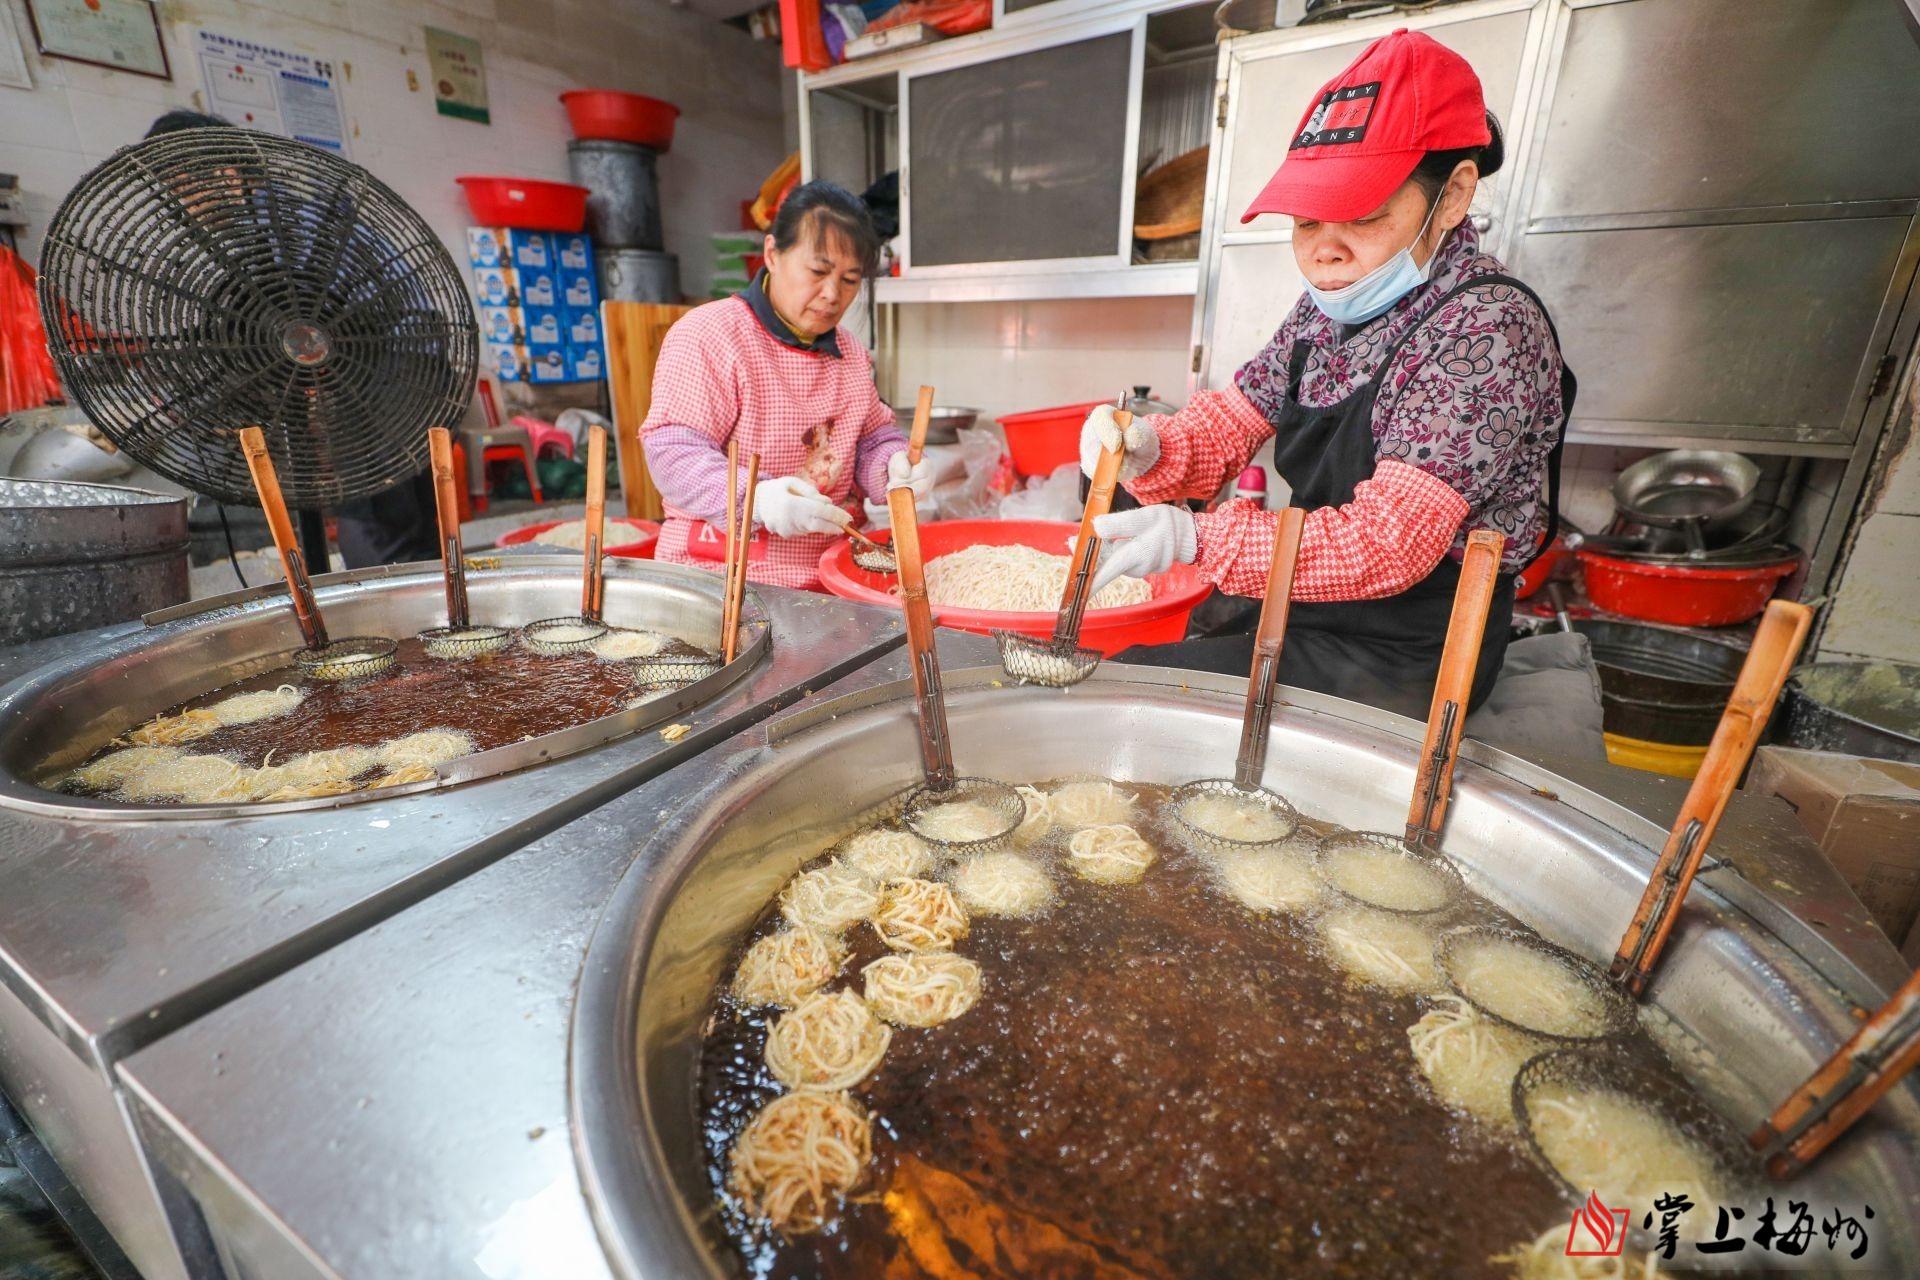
917	476
1100	431
1144	541
789	506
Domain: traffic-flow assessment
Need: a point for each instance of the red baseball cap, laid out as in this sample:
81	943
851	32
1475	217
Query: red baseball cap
1367	128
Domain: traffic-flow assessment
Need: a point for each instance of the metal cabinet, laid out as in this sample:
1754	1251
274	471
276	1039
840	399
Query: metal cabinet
1018	149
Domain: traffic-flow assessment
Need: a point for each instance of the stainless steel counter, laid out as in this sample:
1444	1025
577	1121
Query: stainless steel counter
115	933
399	1105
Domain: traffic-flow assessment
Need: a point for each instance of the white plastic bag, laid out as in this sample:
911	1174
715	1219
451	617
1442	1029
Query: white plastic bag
1057	497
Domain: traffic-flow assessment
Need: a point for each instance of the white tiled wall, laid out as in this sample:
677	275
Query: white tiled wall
1875	611
727	85
1005	357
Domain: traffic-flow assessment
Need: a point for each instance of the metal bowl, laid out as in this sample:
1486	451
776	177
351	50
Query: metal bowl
1682	486
944	424
1565	861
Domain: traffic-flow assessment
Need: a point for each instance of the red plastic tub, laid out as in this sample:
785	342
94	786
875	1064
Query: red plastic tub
1535	575
1043	440
1681	595
646	534
1160	620
611	116
525	202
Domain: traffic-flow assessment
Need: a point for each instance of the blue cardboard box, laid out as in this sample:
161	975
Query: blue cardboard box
502	326
508	362
583	327
572	252
510	247
496	287
537	288
585	362
579	289
546	326
548	364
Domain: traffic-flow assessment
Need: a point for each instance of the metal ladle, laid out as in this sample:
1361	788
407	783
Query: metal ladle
555	636
878	557
1060	661
323	659
1262	681
459	638
941	787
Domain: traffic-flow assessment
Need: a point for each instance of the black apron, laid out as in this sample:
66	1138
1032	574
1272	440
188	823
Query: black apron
1383	652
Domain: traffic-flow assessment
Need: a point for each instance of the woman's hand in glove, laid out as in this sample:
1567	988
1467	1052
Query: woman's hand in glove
788	506
1144	541
916	476
1101	431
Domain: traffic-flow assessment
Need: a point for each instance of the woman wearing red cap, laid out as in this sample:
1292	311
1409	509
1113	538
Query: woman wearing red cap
1414	394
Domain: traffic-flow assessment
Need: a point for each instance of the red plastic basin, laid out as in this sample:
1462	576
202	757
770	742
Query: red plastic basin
527	203
1040	441
1160	620
1678	594
612	116
645	534
1535	575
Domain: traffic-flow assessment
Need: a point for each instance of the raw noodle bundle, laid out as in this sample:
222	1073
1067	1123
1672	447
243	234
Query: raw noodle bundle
1545	1258
432	747
919	915
1110	854
798	1156
573	535
1386	950
1268	879
1001	884
1038	821
881	855
828	1041
922	990
1089	804
1470	1061
1016	579
1527	987
830	898
786	967
617	646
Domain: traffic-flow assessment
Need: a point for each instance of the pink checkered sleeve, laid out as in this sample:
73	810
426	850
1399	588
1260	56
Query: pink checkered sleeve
1399	524
877	447
1202	447
689	469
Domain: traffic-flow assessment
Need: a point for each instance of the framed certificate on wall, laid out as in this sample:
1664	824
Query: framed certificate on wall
120	35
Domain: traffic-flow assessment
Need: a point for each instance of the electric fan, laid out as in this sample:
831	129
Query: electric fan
210	280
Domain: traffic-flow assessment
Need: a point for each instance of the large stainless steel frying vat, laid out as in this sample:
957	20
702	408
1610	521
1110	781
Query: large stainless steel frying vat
120	924
56	718
1761	998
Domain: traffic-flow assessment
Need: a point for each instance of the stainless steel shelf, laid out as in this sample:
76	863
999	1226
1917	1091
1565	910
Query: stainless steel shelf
1672	440
1155	280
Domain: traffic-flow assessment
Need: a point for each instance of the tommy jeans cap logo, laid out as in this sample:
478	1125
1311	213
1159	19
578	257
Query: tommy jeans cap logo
1341	117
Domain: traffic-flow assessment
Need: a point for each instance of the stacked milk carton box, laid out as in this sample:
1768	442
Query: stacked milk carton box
539	304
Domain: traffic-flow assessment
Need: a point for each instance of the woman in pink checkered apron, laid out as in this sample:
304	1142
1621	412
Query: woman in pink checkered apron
772	370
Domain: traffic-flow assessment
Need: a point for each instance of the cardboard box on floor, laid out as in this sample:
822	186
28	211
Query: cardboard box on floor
1865	814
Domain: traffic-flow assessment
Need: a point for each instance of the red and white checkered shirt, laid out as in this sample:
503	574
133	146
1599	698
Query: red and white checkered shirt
1399	524
722	375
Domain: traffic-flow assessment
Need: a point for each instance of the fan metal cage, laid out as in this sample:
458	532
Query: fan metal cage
213	279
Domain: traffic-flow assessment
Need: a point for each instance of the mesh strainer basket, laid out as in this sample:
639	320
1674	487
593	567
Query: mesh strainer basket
349	659
1327	862
874	557
1617	1015
1266	808
936	815
667	668
464	642
1573	1072
553	637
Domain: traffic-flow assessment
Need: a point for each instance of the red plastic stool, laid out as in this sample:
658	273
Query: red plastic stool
498	444
546	436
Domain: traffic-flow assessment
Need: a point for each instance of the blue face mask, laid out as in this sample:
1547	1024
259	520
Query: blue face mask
1380	288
